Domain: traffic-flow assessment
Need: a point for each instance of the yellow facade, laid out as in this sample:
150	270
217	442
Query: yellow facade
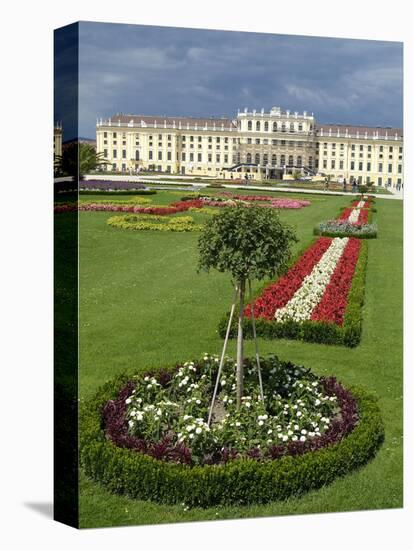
262	144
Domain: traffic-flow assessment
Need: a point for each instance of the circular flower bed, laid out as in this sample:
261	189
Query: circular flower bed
147	436
142	222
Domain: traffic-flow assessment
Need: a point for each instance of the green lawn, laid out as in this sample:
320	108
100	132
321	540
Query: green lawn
143	305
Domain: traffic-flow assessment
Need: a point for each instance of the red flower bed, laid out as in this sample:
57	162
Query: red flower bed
277	294
334	301
156	210
362	219
367	203
59	208
186	205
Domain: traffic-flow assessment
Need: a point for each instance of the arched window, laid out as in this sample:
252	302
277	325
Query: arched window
250	125
266	126
290	160
249	158
258	126
310	162
300	127
274	127
137	155
282	160
291	126
299	161
283	127
274	160
265	159
238	158
257	158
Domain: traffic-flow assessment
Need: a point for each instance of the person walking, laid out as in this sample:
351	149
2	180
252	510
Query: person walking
354	186
345	185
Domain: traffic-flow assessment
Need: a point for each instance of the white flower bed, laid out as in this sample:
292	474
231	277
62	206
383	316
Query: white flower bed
308	296
295	408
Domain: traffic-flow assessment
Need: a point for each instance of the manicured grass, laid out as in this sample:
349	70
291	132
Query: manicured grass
143	305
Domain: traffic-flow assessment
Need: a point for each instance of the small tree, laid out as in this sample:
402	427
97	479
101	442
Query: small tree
250	243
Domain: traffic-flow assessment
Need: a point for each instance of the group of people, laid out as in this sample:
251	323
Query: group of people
343	181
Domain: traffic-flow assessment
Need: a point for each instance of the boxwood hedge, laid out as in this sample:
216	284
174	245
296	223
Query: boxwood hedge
240	481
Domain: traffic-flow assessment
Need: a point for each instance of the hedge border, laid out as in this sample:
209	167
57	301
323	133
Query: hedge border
241	481
348	334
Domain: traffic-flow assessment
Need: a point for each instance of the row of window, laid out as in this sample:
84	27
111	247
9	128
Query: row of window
169	138
283	127
264	160
282	142
361	147
360	168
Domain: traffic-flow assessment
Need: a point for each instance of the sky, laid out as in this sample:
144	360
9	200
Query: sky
189	72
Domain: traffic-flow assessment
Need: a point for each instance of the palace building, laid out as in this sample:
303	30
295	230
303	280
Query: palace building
274	144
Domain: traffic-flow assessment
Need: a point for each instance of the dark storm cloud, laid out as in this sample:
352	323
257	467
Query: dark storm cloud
160	70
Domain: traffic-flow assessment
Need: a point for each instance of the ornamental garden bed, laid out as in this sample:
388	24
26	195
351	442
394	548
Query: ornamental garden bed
319	299
187	203
147	435
352	222
145	222
343	228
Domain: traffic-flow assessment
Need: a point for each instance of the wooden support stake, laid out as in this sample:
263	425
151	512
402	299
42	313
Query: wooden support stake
224	349
254	332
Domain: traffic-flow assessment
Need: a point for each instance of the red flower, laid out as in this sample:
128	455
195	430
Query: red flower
277	294
333	304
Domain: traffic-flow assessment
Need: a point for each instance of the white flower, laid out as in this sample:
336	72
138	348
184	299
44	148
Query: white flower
303	438
191	436
190	427
299	413
198	401
128	401
285	437
238	424
269	431
304	432
223	382
260	423
248	404
306	298
198	430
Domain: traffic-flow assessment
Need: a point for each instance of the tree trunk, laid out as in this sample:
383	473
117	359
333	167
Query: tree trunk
240	346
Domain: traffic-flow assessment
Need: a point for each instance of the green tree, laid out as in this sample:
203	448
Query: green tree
78	159
249	243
